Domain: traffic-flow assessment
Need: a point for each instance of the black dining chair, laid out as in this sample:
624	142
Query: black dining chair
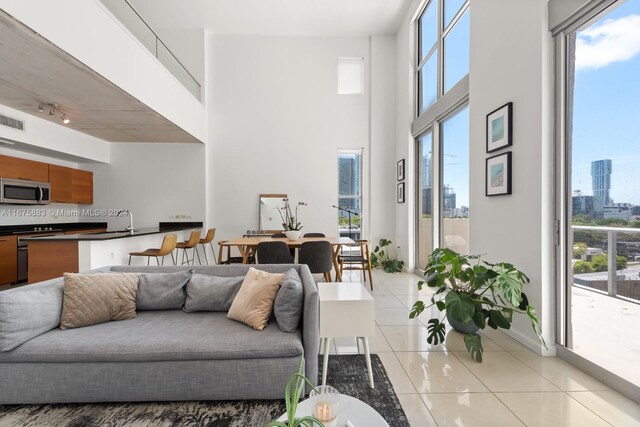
318	256
314	235
278	236
274	253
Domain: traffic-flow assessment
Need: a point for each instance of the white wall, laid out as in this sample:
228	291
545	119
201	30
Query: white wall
102	43
517	68
382	154
154	181
276	123
405	230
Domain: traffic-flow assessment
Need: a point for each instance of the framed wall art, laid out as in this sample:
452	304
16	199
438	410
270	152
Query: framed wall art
400	170
498	175
500	128
400	193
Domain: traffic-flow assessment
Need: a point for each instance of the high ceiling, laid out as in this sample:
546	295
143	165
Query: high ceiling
330	18
33	70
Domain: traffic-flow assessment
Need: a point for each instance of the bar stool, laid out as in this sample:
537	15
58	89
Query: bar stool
168	246
192	243
211	234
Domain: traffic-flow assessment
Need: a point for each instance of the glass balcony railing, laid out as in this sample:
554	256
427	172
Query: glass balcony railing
128	16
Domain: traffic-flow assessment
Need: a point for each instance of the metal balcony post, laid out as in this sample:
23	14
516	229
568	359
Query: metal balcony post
612	251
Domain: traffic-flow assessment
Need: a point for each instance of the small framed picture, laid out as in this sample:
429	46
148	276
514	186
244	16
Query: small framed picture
498	175
400	170
499	128
400	193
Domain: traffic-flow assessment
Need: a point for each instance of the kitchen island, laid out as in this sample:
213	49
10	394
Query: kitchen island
51	256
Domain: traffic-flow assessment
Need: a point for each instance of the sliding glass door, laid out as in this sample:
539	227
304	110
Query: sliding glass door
600	260
424	214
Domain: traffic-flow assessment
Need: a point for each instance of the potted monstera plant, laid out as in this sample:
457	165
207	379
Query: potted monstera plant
473	294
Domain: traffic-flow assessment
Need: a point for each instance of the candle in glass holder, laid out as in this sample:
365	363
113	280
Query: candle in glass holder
324	411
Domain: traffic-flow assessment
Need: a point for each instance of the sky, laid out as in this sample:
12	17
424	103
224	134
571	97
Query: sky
606	119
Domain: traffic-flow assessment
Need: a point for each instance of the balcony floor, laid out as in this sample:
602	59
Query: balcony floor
607	331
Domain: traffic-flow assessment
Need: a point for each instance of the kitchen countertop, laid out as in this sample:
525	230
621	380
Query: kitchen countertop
7	230
163	227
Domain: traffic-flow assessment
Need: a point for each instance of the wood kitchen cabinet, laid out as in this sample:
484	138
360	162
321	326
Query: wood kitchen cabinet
82	187
71	185
61	182
15	168
8	259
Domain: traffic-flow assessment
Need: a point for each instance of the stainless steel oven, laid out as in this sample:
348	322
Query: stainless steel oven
23	192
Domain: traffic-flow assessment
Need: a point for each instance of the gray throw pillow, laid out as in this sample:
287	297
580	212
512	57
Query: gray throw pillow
288	304
211	293
162	291
29	311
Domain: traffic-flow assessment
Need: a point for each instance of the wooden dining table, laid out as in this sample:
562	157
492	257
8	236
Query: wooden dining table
247	247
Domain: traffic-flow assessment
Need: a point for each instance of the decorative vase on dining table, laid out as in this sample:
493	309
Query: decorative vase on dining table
293	234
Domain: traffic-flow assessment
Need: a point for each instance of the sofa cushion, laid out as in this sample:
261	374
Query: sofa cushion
162	291
159	336
253	304
90	299
29	311
211	293
288	304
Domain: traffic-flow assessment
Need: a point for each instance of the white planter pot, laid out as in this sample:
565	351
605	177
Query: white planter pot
293	234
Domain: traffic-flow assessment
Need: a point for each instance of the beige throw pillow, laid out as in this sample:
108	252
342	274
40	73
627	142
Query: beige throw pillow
254	302
90	299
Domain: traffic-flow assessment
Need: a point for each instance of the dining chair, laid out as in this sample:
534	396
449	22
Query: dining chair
208	239
292	251
192	243
232	259
274	253
359	261
168	246
318	256
314	235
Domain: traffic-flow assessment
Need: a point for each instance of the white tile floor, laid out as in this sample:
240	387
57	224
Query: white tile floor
442	386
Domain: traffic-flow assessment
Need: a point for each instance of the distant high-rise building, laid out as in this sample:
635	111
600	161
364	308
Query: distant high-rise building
601	185
426	171
449	201
581	205
349	175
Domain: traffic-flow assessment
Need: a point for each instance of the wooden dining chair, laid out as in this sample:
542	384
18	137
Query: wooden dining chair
360	261
168	246
318	256
274	253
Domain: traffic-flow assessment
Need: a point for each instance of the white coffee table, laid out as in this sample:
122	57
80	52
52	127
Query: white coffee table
346	310
350	409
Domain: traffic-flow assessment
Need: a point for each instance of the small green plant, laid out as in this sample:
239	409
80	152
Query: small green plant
579	249
380	257
471	291
600	262
582	267
292	395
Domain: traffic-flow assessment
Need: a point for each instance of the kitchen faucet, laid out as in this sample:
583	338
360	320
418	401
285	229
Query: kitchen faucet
124	212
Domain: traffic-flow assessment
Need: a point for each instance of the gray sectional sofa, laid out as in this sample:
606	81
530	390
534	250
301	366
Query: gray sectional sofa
164	355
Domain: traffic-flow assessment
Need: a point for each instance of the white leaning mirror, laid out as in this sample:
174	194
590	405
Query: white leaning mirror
270	219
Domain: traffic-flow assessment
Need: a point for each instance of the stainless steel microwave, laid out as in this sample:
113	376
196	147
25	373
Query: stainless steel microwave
23	192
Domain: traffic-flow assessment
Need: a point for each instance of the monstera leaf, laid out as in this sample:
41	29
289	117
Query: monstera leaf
460	306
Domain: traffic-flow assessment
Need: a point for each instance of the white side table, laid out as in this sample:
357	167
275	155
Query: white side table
346	310
349	409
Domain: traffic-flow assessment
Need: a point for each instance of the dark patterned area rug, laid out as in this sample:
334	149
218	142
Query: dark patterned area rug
347	373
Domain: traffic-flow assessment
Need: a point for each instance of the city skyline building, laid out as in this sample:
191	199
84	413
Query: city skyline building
601	185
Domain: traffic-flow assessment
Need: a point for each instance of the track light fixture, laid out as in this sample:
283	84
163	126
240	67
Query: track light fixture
53	108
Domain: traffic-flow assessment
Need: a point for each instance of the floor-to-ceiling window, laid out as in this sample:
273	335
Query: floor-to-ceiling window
441	127
350	193
599	263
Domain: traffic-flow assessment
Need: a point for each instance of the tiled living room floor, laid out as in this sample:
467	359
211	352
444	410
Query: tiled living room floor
443	386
